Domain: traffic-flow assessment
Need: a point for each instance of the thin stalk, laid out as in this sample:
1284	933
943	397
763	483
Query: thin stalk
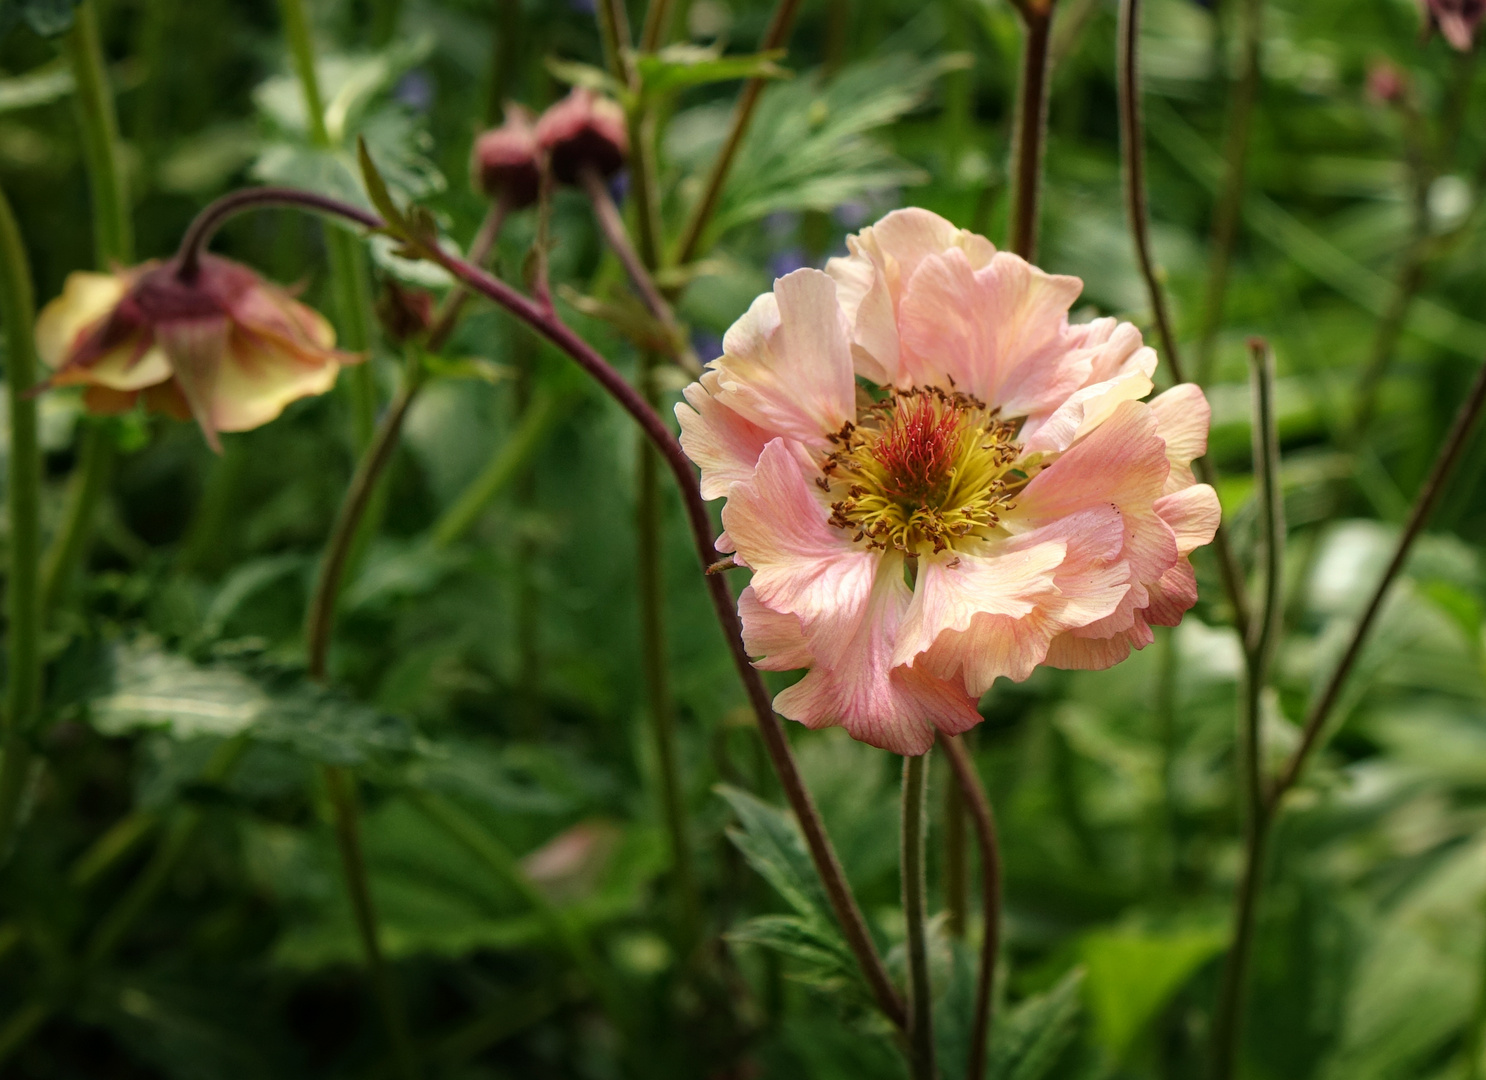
613	22
22	594
692	235
341	786
113	229
85	488
545	322
514	454
481	248
968	781
1475	1032
915	914
611	224
1229	209
956	857
657	25
1031	128
349	284
1259	648
1429	495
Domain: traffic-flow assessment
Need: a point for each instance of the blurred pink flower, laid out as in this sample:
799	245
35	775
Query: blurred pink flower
504	161
227	348
1456	19
584	129
937	481
1386	82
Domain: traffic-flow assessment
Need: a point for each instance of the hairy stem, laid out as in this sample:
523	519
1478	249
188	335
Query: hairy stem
915	914
22	593
1258	649
694	233
967	780
1227	213
1031	128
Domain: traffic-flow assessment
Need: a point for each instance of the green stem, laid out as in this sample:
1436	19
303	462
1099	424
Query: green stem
349	283
1229	210
506	466
85	487
915	903
1031	129
1475	1035
112	226
23	599
341	787
1259	648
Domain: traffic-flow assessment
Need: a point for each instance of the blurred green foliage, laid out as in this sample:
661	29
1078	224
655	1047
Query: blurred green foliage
497	679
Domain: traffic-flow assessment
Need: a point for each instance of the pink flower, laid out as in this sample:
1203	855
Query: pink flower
504	161
937	481
584	129
1456	19
227	348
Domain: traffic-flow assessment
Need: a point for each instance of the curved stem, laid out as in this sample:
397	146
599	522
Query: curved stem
915	914
23	600
690	246
973	791
1429	496
544	321
203	228
1031	129
1227	213
486	237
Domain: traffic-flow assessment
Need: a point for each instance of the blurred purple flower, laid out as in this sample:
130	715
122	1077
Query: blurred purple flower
707	345
583	7
781	224
852	215
415	90
619	187
788	261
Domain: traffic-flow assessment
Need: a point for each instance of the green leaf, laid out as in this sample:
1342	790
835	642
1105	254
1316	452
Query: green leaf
1027	1041
39	86
822	959
376	188
771	842
1131	975
586	75
679	66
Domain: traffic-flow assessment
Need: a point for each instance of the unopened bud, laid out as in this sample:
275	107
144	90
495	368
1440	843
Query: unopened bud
583	130
1386	84
505	164
405	313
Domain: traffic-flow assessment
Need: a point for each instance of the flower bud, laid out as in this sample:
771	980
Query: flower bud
1456	20
1386	84
504	163
226	347
405	313
581	131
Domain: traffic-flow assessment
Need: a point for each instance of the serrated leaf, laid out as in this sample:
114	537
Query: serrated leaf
680	66
771	842
823	959
1027	1041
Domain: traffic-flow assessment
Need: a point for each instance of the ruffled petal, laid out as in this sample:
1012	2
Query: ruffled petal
1184	417
786	364
777	640
86	298
723	444
997	332
801	565
1193	514
1120	370
257	381
890	707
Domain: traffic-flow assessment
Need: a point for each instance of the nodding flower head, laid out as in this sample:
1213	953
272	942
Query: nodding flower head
938	481
505	162
225	347
1456	20
584	130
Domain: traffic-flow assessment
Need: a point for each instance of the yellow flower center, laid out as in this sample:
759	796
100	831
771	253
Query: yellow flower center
922	469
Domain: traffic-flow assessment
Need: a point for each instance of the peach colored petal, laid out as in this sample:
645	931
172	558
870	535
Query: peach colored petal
195	348
777	640
997	332
801	565
896	709
786	364
883	259
1120	370
86	298
256	383
1193	514
1184	417
1172	596
724	445
1087	654
1088	585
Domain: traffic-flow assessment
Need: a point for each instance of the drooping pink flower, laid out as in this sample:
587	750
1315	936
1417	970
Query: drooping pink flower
227	348
505	160
1456	20
938	481
583	130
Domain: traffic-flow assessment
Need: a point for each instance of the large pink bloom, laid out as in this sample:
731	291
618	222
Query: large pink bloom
936	481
